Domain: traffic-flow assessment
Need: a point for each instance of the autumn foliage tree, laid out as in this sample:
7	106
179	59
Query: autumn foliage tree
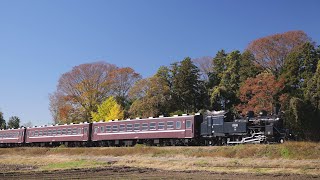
64	110
82	89
108	110
122	80
259	93
271	51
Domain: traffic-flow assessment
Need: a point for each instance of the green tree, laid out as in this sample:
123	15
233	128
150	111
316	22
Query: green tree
299	67
224	95
108	110
218	66
151	97
3	124
302	119
301	105
248	68
187	88
313	89
14	122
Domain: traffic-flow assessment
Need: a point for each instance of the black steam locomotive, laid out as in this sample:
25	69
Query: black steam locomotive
216	129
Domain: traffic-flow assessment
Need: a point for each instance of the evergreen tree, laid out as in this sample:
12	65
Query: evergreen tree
2	122
302	74
186	86
219	66
224	95
248	69
14	122
299	67
312	92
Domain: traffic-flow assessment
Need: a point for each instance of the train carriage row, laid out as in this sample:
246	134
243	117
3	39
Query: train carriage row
177	130
125	132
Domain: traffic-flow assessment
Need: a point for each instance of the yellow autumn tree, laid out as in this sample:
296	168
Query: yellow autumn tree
108	110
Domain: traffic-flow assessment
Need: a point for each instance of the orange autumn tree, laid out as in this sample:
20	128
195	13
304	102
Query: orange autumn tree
271	51
260	93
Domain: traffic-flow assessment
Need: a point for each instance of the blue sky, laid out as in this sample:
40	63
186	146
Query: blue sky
40	40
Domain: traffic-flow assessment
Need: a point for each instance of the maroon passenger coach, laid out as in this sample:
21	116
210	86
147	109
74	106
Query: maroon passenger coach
12	137
68	134
176	130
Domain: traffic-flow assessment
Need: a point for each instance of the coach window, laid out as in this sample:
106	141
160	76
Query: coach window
40	133
74	131
96	129
59	132
64	131
115	128
49	132
160	125
137	127
170	125
101	129
79	131
69	131
85	130
122	127
108	129
44	133
54	132
145	127
152	126
178	125
129	127
188	124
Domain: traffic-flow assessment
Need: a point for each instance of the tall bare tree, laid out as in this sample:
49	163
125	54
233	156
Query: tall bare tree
205	66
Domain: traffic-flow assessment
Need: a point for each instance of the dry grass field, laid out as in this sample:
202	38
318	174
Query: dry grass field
289	160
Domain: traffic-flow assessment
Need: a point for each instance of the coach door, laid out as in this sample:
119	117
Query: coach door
189	128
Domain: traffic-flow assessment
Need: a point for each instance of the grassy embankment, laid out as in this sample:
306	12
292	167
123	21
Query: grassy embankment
287	158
